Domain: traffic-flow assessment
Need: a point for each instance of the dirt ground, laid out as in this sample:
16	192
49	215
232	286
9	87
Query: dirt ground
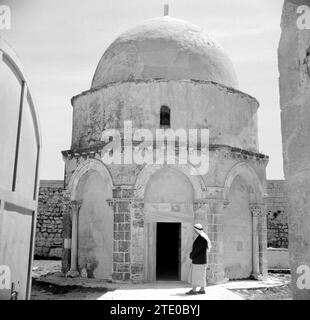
69	290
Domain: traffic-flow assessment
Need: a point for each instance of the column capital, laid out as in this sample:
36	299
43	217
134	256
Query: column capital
110	202
75	205
137	203
258	209
200	203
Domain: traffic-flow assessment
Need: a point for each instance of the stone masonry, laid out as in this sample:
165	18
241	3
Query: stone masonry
294	68
49	220
122	236
277	222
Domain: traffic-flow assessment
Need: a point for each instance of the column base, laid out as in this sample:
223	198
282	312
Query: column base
72	274
66	260
257	276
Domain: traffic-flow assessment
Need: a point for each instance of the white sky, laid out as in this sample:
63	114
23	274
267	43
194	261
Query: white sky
60	43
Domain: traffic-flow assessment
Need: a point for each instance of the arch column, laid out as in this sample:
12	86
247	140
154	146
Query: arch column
209	212
66	232
75	208
259	234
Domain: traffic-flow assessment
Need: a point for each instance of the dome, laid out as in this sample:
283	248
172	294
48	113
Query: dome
165	48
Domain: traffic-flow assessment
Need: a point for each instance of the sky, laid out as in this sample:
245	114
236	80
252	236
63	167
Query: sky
61	42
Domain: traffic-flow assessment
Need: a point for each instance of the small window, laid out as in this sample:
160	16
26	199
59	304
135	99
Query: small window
165	117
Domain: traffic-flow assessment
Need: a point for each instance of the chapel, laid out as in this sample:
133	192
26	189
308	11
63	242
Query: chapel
133	222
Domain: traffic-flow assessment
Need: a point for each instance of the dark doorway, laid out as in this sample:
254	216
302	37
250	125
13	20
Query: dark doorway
168	251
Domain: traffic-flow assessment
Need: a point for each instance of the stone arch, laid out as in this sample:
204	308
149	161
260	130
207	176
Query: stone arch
149	170
247	173
242	188
91	184
81	171
176	207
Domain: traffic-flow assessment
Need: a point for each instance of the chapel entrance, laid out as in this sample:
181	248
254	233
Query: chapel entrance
168	251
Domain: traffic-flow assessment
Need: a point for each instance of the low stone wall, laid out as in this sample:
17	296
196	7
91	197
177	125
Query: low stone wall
49	220
278	259
277	219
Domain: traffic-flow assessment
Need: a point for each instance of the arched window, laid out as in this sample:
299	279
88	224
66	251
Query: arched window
165	117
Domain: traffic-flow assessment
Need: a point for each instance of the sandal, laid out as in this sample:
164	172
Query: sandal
192	292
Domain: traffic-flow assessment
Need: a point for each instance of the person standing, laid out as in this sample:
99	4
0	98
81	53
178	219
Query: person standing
197	274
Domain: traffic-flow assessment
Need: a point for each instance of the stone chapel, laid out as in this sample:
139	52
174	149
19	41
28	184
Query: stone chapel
135	222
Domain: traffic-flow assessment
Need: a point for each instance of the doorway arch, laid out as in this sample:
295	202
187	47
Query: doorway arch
242	188
168	205
91	185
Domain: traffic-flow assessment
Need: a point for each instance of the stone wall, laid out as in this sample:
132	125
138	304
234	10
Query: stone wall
277	222
49	220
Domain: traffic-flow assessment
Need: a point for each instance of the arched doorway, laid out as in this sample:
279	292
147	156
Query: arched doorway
95	221
242	236
169	218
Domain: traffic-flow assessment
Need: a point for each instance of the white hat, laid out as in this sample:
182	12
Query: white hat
198	227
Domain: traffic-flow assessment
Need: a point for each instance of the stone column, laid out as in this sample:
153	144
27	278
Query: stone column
137	240
209	212
294	68
259	234
66	233
121	203
75	208
263	260
255	210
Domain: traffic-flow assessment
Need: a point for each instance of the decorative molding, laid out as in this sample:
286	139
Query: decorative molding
214	193
134	202
258	210
137	203
225	204
110	202
199	204
225	151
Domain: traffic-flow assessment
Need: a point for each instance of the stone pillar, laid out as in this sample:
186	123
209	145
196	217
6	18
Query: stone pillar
259	223
121	203
75	208
209	212
66	233
294	67
263	242
137	240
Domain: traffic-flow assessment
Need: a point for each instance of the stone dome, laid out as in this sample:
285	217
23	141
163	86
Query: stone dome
165	48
